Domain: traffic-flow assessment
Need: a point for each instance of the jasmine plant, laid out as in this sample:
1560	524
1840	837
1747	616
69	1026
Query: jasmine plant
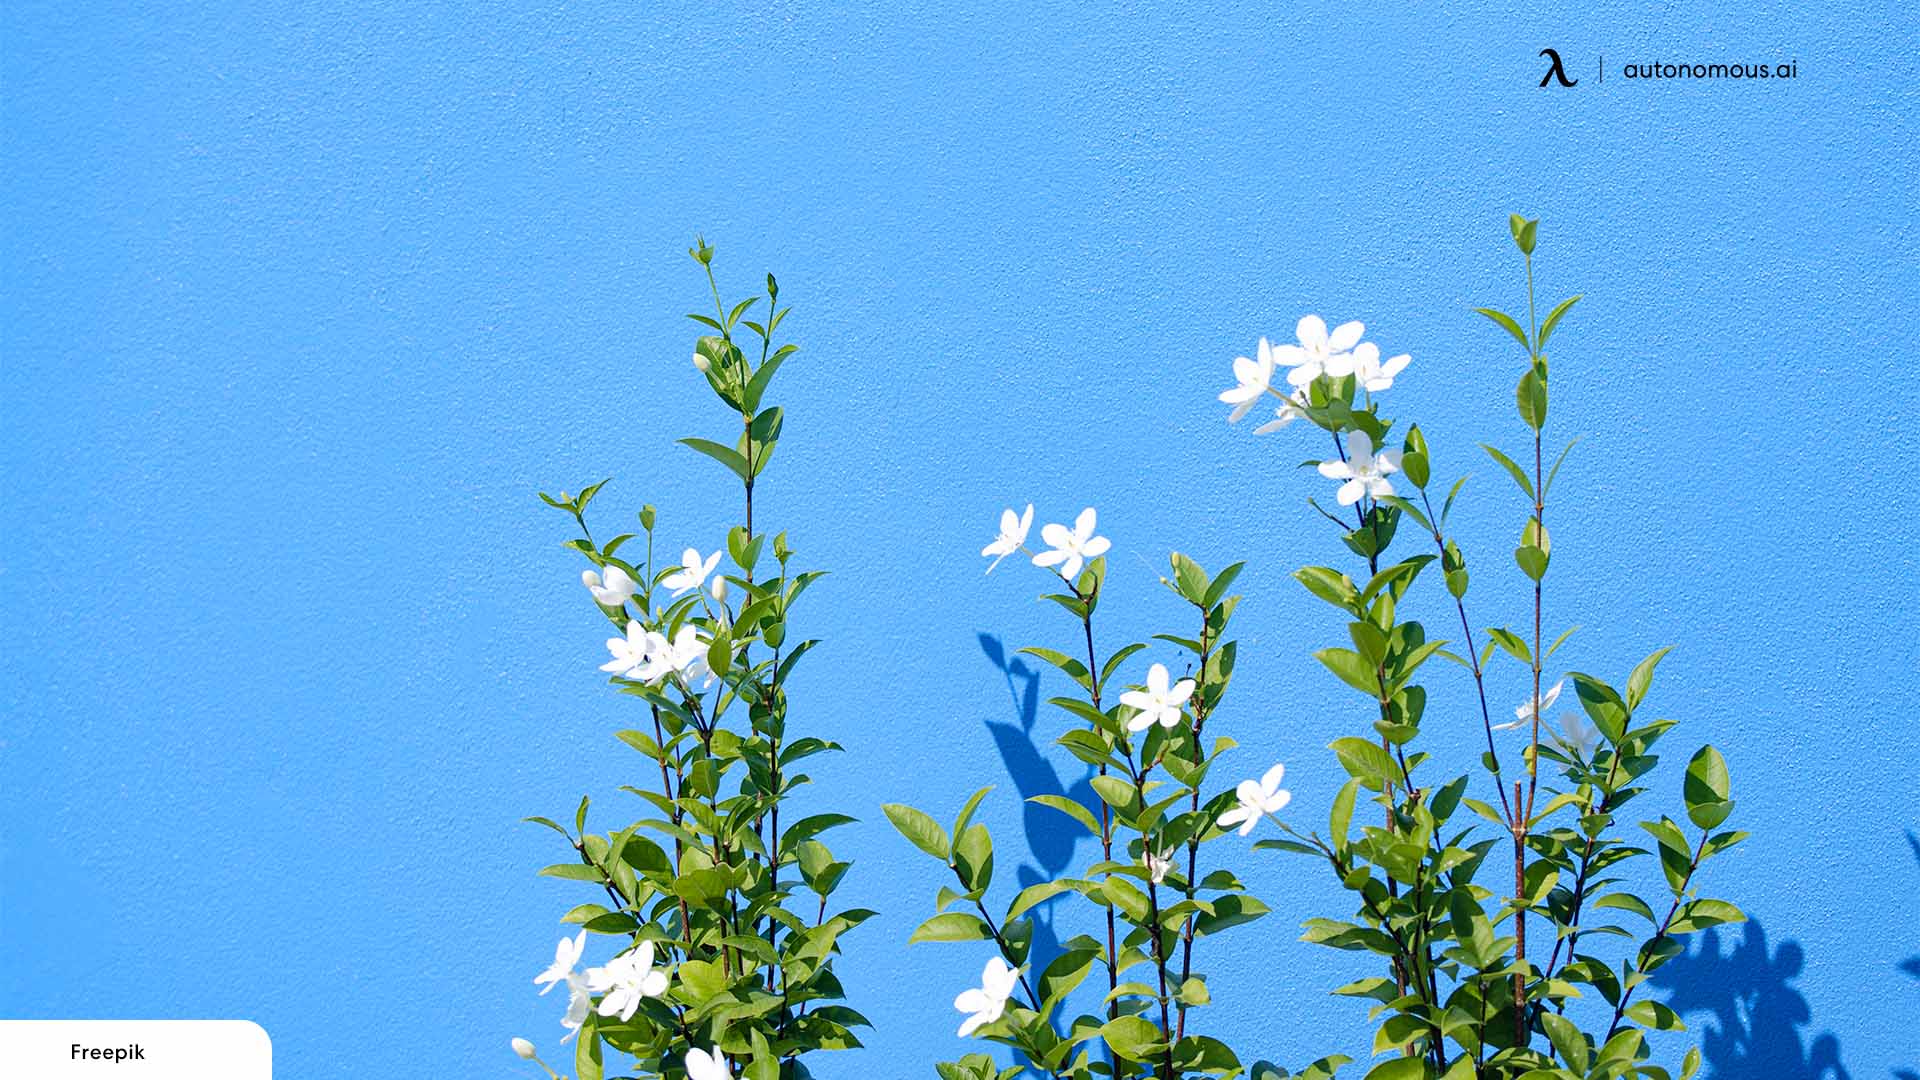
1153	902
1513	946
715	904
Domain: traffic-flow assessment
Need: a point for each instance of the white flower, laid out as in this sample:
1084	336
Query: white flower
616	590
524	1048
565	956
707	1065
1580	738
1258	798
1158	703
1525	713
1364	471
1157	867
1254	377
1318	352
626	980
1072	549
985	1003
692	573
579	1003
630	652
686	654
1294	408
1373	374
1013	536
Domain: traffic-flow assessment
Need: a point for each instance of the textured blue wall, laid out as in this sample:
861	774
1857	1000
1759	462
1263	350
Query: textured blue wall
303	301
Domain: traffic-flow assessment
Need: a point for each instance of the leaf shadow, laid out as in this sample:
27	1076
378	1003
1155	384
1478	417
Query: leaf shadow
1051	836
1755	1014
1911	965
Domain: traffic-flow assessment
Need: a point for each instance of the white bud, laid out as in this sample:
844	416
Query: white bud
719	589
700	361
523	1048
590	579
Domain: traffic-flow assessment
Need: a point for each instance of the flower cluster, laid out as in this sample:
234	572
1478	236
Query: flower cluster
1470	984
718	898
1068	550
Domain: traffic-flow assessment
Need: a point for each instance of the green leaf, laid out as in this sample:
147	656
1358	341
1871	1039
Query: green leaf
1706	789
1567	1040
966	812
952	926
1508	324
1399	1068
1366	762
1512	643
586	1056
1071	808
1700	914
1330	585
1627	902
1352	669
1523	230
925	833
1642	678
1340	820
1036	894
1519	474
1655	1015
1133	1038
1553	318
973	858
725	455
1531	396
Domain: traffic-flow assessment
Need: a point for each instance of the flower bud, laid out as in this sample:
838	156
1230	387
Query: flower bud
719	589
523	1048
700	361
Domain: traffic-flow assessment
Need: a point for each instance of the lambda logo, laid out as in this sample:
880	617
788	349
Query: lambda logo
1556	70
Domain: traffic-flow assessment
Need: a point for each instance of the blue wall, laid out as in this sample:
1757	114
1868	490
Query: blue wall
302	302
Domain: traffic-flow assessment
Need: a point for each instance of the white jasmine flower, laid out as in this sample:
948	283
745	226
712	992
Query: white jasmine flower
1580	738
1158	703
626	980
1258	798
1013	536
1320	353
1524	714
579	1003
630	652
1254	377
1157	867
523	1047
1294	408
1364	471
616	589
1373	374
686	654
707	1065
692	573
565	956
1072	548
986	1002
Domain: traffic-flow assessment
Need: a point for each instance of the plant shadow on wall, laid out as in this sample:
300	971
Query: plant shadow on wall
1051	838
1911	965
1756	1013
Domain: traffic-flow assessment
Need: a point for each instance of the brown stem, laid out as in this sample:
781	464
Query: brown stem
1519	926
1193	842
